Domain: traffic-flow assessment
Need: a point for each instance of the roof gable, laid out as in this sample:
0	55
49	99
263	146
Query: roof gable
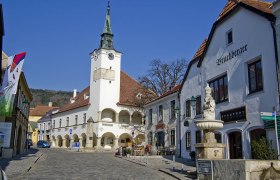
261	8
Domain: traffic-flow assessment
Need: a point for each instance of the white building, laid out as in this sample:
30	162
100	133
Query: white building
105	114
238	61
161	123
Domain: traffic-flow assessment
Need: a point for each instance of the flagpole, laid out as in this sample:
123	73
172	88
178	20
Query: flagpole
276	131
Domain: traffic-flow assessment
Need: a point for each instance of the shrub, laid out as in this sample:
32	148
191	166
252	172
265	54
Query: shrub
262	149
128	151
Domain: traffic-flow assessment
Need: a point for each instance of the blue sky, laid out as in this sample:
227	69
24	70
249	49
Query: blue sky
58	35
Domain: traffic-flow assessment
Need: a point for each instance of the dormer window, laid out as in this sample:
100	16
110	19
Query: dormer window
229	37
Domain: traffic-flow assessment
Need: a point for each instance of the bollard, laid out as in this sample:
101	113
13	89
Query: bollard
173	163
147	158
140	156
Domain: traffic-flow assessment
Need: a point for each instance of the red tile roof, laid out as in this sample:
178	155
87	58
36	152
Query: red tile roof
257	4
172	91
79	101
40	110
200	50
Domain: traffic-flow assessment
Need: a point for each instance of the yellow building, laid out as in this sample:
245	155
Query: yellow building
34	115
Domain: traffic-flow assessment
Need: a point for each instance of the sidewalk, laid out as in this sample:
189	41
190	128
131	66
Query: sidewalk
166	165
20	164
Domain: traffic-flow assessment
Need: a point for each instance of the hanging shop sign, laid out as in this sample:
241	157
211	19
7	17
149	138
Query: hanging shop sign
232	55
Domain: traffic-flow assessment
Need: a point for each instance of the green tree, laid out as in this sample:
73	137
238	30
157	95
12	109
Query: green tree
262	149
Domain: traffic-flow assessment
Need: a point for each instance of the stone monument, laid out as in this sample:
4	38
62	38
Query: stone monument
209	148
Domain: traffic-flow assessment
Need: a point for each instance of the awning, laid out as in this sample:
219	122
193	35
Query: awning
269	123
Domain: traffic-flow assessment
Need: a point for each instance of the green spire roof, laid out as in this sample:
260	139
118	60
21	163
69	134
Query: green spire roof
107	35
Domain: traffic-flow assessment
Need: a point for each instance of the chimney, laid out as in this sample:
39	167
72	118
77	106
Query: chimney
75	93
50	104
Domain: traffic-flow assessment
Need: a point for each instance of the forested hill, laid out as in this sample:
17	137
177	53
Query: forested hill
43	97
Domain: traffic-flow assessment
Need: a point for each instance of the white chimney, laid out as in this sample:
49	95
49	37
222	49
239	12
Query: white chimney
75	93
50	104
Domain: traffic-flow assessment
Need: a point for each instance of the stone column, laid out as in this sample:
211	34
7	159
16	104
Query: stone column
64	143
116	143
89	143
81	142
117	117
98	143
130	119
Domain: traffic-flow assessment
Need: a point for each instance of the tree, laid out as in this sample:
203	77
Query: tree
163	76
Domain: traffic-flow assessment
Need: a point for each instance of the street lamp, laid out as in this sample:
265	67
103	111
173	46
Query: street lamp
177	111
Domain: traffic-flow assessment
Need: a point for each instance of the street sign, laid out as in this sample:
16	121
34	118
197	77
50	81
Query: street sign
70	131
204	167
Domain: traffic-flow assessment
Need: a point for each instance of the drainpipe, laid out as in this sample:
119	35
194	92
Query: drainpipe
272	23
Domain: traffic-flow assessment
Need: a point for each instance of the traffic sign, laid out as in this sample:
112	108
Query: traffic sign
70	130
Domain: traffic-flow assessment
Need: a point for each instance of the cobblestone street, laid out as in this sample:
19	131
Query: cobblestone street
64	164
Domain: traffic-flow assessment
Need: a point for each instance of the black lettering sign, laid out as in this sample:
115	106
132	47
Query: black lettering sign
232	55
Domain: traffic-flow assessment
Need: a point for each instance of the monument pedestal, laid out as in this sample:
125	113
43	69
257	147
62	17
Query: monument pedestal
210	151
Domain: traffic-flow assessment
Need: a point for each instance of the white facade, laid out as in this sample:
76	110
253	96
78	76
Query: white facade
161	122
252	43
97	119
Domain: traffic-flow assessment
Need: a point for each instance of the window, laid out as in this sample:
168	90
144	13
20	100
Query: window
198	105
53	123
188	108
59	122
218	137
172	137
198	136
44	126
219	88
150	116
188	140
172	105
150	138
76	119
229	37
85	118
40	127
67	121
233	115
255	76
160	113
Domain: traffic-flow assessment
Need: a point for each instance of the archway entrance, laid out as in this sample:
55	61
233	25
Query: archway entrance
139	139
75	138
125	140
256	135
160	138
235	145
107	140
84	140
54	142
59	139
19	136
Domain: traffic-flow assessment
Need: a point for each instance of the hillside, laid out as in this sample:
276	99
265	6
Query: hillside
43	97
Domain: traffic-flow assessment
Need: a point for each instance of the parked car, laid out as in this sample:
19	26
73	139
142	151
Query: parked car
43	144
3	176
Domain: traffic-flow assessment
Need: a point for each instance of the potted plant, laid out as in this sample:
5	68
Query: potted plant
128	152
192	155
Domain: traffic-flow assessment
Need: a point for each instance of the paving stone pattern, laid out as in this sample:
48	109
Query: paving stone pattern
63	164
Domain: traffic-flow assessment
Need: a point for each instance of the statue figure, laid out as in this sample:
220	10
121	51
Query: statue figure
209	105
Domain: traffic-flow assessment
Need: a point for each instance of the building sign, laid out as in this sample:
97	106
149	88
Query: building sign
232	55
5	134
204	167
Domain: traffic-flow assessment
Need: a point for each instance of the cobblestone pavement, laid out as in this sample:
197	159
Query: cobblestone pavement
181	168
20	164
64	164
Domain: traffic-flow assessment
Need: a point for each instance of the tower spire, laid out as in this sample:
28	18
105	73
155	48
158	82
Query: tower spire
107	35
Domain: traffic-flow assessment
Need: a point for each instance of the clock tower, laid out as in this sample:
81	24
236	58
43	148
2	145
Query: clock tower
105	72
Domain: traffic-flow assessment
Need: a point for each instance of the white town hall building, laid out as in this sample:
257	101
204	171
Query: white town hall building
104	115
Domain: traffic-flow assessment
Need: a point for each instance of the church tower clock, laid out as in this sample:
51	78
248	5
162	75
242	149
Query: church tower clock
105	72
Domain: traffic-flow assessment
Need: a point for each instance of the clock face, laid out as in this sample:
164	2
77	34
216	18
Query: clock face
111	56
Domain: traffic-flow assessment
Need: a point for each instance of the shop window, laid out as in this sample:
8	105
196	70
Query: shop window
172	105
219	89
188	108
198	105
255	76
150	116
188	140
229	37
172	137
198	137
160	113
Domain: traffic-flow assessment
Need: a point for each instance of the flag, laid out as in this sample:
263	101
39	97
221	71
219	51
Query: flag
10	84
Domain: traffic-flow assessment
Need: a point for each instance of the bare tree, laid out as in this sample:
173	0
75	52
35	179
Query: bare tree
162	76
